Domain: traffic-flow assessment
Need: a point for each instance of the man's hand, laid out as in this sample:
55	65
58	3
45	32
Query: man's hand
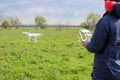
85	42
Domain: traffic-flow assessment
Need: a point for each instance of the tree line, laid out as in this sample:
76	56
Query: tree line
41	22
9	21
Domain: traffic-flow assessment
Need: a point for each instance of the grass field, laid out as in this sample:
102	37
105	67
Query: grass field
57	55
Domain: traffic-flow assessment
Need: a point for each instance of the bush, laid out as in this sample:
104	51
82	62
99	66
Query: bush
5	25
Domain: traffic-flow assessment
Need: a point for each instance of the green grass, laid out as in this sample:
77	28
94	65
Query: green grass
57	55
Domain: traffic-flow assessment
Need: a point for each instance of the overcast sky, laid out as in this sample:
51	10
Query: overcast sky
55	11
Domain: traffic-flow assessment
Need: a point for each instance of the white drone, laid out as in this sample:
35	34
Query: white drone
84	34
32	36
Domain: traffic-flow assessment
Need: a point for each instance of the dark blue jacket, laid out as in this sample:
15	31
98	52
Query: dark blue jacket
105	43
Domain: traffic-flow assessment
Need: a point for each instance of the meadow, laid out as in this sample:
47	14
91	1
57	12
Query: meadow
57	55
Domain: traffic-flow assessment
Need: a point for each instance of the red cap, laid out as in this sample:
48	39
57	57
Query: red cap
109	5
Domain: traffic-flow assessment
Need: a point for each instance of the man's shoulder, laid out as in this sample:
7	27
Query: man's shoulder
107	18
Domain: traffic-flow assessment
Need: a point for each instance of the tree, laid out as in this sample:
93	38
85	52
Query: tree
1	18
92	19
5	24
84	25
40	21
14	22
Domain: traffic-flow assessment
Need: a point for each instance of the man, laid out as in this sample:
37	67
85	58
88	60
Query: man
105	43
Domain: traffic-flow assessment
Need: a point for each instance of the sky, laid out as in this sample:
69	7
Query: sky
71	12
